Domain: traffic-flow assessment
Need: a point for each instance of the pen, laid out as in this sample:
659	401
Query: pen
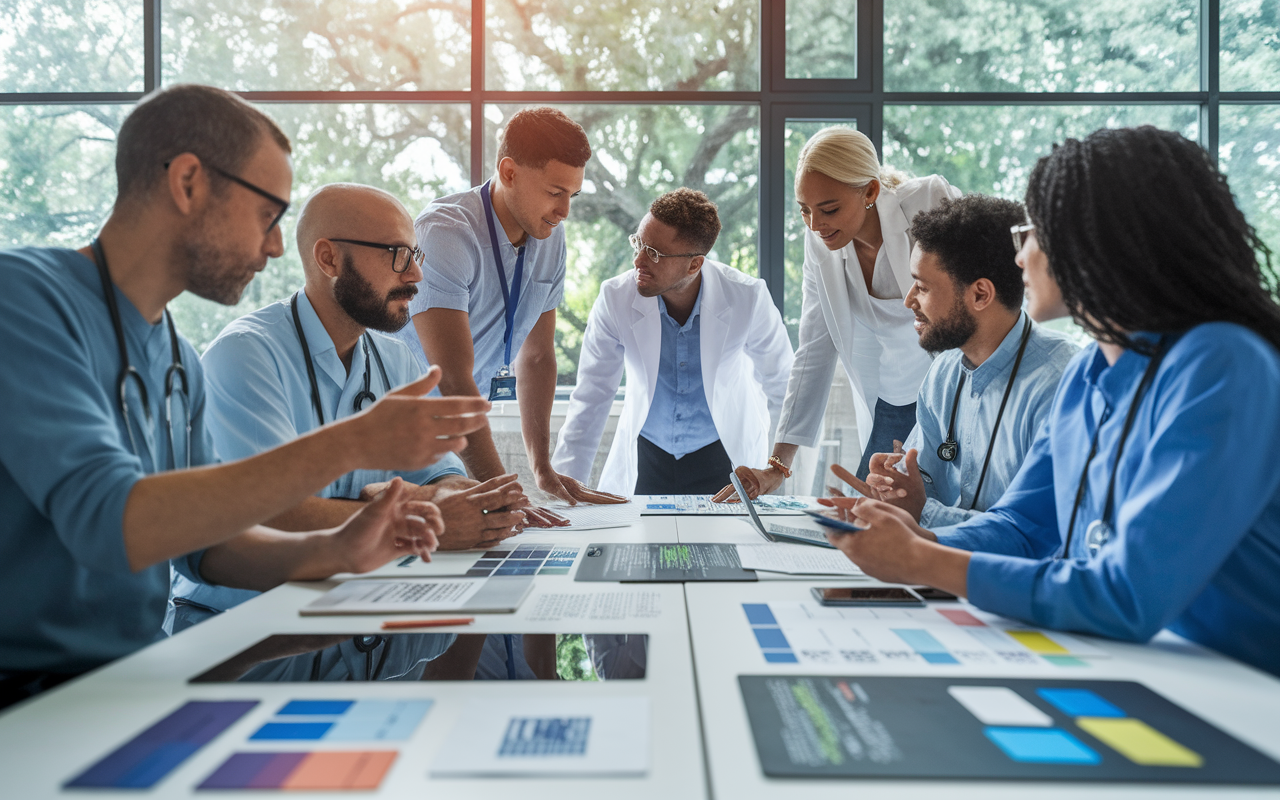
391	625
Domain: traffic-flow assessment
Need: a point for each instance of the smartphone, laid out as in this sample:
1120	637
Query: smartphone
930	593
867	596
821	518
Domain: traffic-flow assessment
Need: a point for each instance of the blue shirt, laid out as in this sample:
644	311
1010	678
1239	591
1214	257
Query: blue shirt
260	398
679	418
1197	503
952	484
460	273
70	600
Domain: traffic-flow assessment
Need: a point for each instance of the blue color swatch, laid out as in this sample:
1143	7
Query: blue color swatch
1042	746
293	731
1080	703
771	638
144	760
759	614
924	643
295	708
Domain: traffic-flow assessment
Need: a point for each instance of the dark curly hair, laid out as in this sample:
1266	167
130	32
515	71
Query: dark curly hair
535	136
970	237
692	214
1142	234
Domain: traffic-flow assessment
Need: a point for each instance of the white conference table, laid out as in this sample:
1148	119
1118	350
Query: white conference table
701	743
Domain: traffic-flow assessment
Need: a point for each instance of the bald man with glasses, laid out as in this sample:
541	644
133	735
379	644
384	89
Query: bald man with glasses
324	354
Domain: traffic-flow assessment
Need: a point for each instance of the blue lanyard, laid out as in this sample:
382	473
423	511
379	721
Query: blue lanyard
510	297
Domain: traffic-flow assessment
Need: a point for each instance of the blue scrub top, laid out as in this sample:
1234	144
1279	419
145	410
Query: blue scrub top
1197	503
679	419
260	398
70	600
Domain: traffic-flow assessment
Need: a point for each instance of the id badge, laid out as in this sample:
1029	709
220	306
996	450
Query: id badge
503	386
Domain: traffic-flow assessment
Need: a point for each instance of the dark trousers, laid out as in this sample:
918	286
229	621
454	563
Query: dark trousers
704	471
891	422
18	686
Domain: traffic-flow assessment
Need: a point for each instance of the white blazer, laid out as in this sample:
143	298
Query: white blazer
746	359
829	329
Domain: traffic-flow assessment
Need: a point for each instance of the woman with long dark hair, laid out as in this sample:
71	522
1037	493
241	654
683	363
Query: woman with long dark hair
1152	498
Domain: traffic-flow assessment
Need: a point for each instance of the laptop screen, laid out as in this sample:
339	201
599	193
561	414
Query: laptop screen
751	509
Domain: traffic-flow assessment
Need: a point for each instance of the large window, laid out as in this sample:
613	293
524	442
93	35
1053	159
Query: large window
714	94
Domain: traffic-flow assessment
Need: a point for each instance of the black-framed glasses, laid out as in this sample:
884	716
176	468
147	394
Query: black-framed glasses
1020	234
653	255
284	204
398	264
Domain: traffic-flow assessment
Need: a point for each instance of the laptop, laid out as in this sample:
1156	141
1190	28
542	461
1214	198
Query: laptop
800	530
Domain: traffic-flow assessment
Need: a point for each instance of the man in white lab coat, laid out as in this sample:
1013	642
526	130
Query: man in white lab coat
706	355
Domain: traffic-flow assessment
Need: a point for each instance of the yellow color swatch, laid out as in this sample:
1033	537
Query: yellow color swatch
1139	742
1037	642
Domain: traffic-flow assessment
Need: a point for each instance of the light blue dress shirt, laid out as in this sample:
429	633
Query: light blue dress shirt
952	484
679	418
1197	503
260	398
460	273
70	600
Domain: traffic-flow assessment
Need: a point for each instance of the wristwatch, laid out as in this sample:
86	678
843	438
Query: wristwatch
776	463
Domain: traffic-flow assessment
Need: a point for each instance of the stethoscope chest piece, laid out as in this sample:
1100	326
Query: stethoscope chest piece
948	450
1098	534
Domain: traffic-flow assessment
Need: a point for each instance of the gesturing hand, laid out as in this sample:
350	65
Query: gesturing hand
406	430
481	515
391	525
894	549
904	490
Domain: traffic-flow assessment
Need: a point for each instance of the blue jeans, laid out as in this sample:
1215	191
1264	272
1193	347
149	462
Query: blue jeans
891	422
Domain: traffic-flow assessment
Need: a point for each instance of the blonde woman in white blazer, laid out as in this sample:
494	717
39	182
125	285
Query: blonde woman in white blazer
688	418
857	270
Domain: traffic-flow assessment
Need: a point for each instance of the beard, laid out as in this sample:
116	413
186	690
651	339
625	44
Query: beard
950	332
362	303
214	272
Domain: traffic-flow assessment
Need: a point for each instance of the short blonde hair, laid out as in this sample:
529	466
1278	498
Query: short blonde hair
845	155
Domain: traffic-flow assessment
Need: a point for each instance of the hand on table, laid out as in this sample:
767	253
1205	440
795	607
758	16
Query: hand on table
572	491
390	526
755	481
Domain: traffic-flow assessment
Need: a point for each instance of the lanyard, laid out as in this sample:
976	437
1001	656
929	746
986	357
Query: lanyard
366	342
1100	529
948	450
176	372
510	297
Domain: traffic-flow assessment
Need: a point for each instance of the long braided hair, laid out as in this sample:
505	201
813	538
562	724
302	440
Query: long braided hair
1142	234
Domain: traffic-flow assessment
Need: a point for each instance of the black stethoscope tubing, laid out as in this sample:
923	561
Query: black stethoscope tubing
1148	377
175	372
366	343
950	449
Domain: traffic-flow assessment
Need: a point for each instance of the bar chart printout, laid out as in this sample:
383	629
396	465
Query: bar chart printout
989	729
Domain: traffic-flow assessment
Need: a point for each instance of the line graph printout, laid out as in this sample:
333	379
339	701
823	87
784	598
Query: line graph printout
661	563
811	634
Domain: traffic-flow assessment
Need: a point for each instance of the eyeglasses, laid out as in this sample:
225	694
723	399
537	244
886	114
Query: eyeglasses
398	264
284	204
1020	234
653	255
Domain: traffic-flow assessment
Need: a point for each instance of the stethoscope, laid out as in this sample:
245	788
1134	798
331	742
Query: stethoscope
1101	531
363	644
366	343
950	449
173	376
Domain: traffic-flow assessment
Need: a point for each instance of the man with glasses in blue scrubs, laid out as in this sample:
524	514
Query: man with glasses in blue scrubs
325	354
106	404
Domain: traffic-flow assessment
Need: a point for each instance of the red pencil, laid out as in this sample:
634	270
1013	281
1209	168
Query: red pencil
391	625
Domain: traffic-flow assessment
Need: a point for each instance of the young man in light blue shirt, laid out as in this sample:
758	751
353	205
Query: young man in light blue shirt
106	406
1151	497
493	276
325	354
989	391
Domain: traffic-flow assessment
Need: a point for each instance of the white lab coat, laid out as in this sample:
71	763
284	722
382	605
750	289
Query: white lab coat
746	359
829	328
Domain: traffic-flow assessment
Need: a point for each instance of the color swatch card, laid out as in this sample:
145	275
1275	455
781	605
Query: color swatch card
562	737
330	770
422	595
145	759
811	634
701	505
344	721
982	728
525	560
